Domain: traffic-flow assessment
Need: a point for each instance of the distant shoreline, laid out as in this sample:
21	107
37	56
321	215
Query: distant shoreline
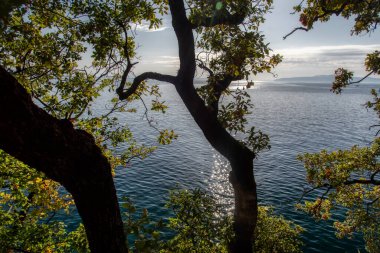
322	78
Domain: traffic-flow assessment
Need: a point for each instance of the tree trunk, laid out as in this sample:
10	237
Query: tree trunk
65	155
241	176
245	216
239	156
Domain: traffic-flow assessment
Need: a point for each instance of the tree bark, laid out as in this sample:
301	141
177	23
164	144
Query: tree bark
66	155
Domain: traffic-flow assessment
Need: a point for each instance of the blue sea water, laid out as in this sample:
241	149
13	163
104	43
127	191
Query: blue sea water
299	118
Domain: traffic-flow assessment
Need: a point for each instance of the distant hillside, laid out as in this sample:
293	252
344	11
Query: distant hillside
322	79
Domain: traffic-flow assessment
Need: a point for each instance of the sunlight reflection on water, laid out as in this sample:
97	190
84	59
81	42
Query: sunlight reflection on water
219	185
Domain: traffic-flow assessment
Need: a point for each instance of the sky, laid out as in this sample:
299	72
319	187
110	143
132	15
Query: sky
317	52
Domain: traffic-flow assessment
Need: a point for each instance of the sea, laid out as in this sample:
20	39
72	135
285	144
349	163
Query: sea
299	117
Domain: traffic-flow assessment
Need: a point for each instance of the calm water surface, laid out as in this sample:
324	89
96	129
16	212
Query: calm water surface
298	118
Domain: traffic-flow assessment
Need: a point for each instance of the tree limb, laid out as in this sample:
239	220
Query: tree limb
294	30
362	181
203	66
139	79
361	80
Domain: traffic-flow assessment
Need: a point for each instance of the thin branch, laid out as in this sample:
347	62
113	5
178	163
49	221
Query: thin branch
363	181
294	30
361	80
51	217
326	12
202	65
306	192
377	125
114	108
146	115
374	175
371	203
20	250
139	79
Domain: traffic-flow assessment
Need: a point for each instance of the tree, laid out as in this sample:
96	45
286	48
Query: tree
54	147
230	48
41	44
348	178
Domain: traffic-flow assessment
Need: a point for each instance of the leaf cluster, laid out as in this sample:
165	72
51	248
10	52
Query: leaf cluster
201	225
28	203
347	178
230	47
366	13
145	234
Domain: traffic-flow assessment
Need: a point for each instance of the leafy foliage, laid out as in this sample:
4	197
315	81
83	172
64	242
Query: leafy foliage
366	13
6	7
230	52
67	54
203	226
28	204
343	78
199	224
276	234
347	178
232	115
144	233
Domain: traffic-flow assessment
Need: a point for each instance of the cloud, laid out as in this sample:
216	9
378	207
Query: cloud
145	28
327	53
166	59
321	60
163	64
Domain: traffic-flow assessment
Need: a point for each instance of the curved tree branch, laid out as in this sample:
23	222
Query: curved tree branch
362	79
139	79
203	66
294	30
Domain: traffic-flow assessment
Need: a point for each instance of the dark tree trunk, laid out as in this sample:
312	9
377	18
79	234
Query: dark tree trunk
65	155
239	156
241	176
245	218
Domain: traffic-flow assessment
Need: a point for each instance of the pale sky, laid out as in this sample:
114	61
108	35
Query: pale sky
317	52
